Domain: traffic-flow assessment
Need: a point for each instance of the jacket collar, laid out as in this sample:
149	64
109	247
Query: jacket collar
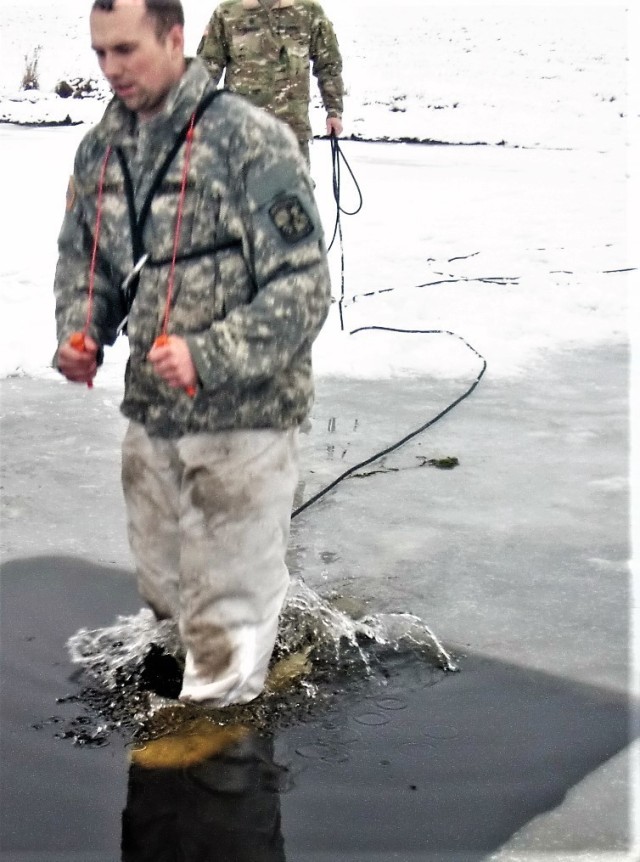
118	122
255	4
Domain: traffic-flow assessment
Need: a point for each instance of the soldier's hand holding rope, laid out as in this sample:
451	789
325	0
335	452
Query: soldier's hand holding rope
172	361
78	364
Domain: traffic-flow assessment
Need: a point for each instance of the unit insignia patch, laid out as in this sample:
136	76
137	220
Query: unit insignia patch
291	219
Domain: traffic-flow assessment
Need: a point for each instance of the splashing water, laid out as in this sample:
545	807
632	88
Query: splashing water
338	639
317	644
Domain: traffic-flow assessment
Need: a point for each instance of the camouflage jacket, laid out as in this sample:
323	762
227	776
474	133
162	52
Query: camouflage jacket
251	284
267	56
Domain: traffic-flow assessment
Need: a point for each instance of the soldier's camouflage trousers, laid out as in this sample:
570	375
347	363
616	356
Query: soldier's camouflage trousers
208	521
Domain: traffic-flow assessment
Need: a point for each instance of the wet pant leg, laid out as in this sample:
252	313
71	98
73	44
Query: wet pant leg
236	503
151	484
225	501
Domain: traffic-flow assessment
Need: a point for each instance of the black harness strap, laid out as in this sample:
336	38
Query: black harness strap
138	221
195	253
136	239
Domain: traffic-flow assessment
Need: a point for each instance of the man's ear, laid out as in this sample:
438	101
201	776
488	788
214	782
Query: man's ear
175	39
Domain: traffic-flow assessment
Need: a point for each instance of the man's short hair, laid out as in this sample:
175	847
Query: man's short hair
165	13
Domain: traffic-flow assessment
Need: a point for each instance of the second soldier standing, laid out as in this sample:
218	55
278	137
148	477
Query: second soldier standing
266	48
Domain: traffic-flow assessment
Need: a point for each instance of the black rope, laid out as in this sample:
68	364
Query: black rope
500	280
337	156
412	434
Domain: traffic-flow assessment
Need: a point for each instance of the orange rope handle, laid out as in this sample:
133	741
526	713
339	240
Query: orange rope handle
76	340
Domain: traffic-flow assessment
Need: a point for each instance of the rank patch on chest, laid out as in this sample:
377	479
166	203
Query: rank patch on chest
291	219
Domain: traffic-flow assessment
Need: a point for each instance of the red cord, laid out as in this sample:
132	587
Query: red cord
96	238
163	339
77	339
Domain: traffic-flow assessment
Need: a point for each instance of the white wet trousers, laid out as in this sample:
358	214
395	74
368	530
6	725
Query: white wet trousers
208	521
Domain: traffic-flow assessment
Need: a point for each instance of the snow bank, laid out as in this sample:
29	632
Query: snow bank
528	75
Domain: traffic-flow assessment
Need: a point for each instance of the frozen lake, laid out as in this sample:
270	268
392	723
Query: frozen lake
517	558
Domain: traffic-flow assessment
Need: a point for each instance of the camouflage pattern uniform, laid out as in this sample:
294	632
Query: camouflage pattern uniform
267	54
208	480
249	311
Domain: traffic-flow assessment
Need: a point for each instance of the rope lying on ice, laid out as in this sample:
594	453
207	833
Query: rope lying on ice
336	155
412	434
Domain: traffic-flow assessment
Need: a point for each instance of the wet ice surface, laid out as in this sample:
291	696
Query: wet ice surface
407	760
504	553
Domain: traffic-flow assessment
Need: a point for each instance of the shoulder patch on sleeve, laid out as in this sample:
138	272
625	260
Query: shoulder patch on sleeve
291	219
270	184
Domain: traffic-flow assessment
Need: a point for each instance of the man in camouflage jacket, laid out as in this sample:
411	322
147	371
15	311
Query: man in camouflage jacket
208	477
267	48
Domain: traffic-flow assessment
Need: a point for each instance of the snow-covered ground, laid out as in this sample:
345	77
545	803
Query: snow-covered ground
521	247
529	74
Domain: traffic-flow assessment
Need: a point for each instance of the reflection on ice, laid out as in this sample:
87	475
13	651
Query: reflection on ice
204	793
133	667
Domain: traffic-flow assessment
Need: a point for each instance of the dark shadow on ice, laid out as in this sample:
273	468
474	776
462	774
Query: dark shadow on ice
407	764
55	798
447	772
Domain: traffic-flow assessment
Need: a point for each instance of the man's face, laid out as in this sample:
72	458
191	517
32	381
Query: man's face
140	67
